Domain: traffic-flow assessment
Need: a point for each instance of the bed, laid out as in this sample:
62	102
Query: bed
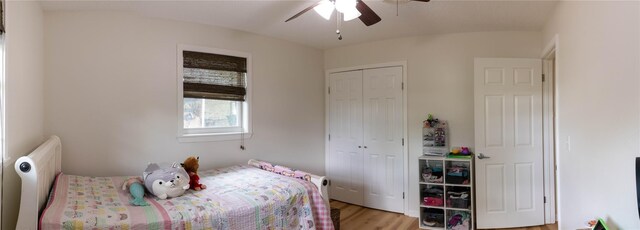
237	197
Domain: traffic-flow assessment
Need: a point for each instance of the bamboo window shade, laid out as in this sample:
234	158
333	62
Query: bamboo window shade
2	17
214	76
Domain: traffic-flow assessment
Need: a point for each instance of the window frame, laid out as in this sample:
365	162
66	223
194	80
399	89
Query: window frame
213	134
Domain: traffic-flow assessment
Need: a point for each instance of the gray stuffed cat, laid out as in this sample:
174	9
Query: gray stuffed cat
166	182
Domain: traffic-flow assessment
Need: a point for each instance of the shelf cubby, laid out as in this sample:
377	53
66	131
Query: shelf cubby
446	193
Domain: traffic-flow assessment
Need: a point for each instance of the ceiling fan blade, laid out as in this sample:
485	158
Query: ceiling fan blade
368	17
420	0
303	11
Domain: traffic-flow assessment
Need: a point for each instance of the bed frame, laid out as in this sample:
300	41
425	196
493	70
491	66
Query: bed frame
38	171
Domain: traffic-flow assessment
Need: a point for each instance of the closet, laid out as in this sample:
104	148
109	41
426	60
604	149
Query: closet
365	162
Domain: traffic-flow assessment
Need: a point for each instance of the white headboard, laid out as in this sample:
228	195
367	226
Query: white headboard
38	171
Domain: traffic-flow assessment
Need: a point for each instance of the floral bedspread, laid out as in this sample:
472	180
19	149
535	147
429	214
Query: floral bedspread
238	197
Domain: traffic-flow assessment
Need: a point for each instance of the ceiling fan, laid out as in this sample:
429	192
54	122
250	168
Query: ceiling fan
350	9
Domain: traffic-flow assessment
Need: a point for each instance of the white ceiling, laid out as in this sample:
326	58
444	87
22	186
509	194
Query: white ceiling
266	17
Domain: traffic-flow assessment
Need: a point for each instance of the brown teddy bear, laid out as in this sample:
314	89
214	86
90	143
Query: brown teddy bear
191	166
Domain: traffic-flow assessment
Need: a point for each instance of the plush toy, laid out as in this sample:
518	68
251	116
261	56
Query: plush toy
465	150
166	182
191	165
136	189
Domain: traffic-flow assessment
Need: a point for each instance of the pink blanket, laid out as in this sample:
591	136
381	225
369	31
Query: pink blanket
238	197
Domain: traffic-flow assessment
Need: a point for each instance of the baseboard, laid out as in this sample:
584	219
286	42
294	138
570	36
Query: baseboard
412	213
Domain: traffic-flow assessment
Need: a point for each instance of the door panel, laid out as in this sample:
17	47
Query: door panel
496	190
523	120
524	187
346	159
494	121
383	132
508	129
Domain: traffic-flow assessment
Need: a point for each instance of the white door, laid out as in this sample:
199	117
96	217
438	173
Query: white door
346	159
383	133
508	131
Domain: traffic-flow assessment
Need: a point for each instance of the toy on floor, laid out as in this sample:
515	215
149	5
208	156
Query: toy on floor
191	165
137	191
166	182
597	224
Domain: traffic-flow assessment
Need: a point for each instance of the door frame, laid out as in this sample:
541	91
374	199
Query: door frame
405	148
550	120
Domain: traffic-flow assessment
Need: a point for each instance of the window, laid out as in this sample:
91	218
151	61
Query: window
213	93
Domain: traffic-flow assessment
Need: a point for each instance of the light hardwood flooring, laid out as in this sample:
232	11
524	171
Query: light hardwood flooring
357	217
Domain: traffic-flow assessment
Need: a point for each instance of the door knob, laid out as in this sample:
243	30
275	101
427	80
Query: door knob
365	147
482	156
359	146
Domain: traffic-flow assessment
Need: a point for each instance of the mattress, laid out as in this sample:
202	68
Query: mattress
238	197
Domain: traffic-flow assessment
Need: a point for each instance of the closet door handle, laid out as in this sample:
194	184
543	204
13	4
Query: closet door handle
365	146
359	146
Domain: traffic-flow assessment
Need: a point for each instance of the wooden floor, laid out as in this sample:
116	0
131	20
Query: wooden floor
357	217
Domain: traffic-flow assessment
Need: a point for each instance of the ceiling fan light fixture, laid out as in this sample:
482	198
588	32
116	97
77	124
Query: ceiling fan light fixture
325	9
351	14
344	6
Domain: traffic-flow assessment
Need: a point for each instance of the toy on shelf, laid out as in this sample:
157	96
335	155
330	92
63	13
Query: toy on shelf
464	150
457	172
431	122
459	220
432	174
434	137
461	152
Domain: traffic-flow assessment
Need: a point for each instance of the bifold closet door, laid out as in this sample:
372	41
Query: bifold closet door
345	168
383	133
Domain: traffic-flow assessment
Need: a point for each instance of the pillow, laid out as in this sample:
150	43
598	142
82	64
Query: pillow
282	170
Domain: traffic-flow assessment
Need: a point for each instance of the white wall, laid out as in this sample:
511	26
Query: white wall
110	94
440	79
24	96
599	68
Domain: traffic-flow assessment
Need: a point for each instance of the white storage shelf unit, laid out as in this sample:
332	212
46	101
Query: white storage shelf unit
446	193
